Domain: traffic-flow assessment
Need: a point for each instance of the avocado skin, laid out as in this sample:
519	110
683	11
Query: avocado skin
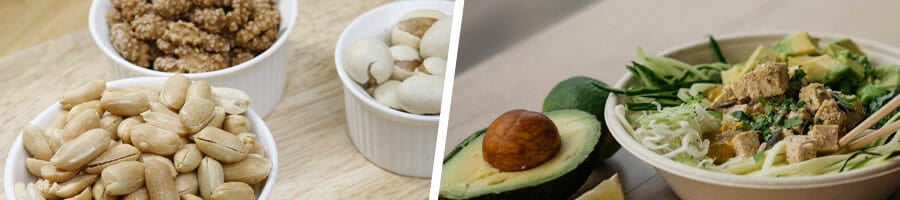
559	188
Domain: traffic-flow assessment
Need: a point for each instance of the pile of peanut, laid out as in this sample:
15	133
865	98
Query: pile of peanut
180	140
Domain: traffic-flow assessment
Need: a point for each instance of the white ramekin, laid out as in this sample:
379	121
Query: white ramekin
688	182
15	171
397	141
263	77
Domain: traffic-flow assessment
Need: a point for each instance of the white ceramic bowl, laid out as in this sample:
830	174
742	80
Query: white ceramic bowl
688	182
394	140
263	77
15	171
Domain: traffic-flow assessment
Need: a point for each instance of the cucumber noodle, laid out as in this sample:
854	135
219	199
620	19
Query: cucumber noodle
677	133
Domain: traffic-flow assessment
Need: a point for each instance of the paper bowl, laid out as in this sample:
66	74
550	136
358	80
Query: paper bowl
15	172
397	141
688	182
263	77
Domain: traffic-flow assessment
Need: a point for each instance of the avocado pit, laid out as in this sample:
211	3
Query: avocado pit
519	140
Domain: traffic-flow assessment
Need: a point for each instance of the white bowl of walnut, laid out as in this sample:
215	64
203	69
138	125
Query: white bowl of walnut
232	43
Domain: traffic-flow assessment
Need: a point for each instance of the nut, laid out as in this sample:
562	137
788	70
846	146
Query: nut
433	66
34	142
413	25
236	124
159	176
152	139
59	121
34	166
54	138
110	123
196	114
252	170
89	105
233	190
84	121
234	101
221	145
87	92
187	183
187	159
84	195
75	154
436	41
74	186
200	89
165	120
123	178
124	129
114	155
174	91
190	197
519	140
406	59
54	174
218	117
45	188
124	102
386	94
210	175
421	94
159	107
369	61
99	191
139	194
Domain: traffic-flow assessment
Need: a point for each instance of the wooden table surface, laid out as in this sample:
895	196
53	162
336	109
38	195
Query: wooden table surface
602	37
317	158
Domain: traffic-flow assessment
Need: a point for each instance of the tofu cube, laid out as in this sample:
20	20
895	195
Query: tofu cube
827	136
746	143
767	80
800	148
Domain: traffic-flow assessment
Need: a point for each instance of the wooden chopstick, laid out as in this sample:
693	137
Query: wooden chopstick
869	122
866	140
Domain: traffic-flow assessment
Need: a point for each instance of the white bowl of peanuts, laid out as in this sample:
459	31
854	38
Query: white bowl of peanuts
206	40
96	158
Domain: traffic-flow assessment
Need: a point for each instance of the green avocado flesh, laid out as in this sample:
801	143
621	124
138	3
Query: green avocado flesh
467	176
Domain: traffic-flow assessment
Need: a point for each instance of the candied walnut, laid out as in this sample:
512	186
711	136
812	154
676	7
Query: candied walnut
131	8
261	22
215	43
183	33
130	48
211	3
193	60
262	42
114	16
239	14
239	56
148	26
166	64
165	46
171	9
209	19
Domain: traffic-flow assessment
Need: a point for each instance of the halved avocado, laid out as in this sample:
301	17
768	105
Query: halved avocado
467	176
827	70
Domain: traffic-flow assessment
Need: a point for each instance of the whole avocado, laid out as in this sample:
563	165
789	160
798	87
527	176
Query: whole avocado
580	93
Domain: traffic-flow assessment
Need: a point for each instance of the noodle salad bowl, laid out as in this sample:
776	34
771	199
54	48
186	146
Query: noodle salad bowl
878	181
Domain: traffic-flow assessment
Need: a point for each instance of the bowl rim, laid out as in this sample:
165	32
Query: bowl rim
97	18
354	89
718	178
265	135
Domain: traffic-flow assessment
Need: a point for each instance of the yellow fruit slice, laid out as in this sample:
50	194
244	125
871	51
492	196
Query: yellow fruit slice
609	189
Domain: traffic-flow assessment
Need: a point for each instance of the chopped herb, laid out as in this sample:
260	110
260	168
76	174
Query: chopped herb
892	155
792	122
